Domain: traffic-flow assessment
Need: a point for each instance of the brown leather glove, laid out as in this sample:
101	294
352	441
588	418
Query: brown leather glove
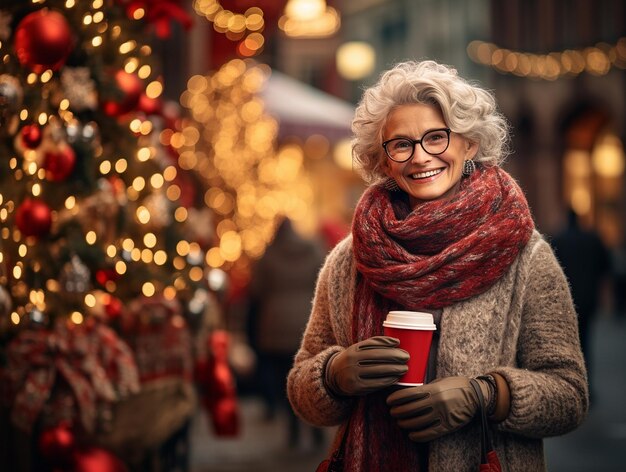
438	408
366	366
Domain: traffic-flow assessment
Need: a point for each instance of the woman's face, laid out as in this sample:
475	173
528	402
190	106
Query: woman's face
424	176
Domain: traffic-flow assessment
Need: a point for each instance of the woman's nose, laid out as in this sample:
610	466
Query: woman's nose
420	156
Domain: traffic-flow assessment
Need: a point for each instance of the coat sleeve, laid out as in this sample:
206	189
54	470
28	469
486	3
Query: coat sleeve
305	384
549	391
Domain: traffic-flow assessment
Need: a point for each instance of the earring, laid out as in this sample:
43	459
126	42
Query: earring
469	166
391	185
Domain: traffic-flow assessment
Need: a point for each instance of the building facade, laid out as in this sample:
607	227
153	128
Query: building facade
557	70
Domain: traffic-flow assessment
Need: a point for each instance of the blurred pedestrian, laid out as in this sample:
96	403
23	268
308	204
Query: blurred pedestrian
586	263
442	228
281	291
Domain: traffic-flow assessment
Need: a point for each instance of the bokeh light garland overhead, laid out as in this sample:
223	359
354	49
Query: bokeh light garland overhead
245	28
596	60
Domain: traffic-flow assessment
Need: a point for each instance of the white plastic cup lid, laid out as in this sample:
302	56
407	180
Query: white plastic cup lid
410	320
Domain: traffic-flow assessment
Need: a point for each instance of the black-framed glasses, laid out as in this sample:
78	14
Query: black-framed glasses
434	142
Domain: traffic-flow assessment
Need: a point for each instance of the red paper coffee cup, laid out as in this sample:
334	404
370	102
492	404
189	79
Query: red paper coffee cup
415	330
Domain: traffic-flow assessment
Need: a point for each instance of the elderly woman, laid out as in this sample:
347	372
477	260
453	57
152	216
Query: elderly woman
443	229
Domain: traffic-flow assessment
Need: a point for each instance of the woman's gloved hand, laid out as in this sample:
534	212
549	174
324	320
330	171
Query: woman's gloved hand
366	366
430	411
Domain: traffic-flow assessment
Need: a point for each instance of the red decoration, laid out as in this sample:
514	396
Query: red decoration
43	40
57	444
89	358
160	338
59	449
33	217
216	381
118	186
150	106
95	459
159	13
172	114
59	164
333	231
131	87
187	186
113	308
105	275
31	136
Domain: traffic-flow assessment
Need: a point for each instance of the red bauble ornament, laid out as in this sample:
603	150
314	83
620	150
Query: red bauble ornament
31	136
188	192
57	445
113	308
43	40
95	459
59	164
105	275
33	217
131	87
150	106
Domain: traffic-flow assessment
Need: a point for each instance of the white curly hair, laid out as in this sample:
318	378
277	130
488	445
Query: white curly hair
467	109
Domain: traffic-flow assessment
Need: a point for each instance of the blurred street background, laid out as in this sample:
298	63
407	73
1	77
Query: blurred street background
160	157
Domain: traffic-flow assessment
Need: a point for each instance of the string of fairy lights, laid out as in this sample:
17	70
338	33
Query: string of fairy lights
302	19
246	27
596	60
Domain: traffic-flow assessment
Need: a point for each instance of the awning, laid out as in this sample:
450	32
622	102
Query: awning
303	110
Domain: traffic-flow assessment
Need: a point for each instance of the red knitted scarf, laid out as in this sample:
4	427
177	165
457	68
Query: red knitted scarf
438	254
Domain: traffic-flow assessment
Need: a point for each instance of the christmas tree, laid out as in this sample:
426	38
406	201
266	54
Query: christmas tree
89	194
94	214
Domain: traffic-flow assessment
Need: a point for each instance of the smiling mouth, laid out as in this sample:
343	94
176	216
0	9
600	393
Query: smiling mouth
428	173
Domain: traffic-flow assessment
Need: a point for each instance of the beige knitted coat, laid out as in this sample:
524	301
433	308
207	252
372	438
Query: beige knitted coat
524	327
